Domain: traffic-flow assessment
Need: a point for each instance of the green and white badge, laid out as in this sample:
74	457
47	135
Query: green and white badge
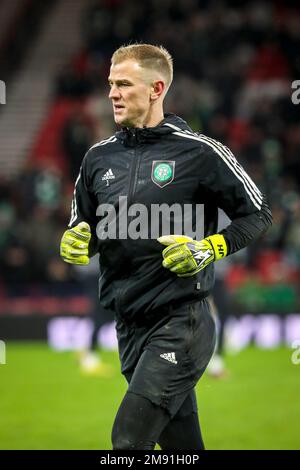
163	172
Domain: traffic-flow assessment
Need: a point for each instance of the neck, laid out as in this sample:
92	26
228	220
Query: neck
152	119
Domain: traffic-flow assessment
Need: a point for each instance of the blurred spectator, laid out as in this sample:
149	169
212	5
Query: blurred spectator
76	139
71	83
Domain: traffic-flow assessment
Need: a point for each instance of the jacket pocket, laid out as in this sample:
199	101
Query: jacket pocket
191	327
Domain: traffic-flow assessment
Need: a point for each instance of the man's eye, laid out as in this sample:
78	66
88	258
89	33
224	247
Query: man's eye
119	85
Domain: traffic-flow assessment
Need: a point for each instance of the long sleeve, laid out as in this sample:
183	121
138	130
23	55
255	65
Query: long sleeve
84	206
231	189
244	230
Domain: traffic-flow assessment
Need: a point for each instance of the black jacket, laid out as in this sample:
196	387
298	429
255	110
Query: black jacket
199	171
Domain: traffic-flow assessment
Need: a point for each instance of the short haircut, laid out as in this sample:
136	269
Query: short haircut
149	57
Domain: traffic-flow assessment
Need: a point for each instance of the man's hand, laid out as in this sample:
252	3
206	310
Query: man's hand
186	257
74	244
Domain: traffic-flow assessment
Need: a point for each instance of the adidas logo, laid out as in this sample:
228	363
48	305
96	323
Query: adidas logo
108	176
169	357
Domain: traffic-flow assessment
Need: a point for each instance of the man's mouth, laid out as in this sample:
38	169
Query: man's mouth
118	107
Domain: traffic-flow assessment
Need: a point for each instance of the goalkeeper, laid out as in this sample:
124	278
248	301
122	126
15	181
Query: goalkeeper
158	288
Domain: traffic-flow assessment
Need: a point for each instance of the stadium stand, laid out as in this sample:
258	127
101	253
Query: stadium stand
239	93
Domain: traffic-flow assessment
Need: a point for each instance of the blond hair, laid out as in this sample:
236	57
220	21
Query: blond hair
149	57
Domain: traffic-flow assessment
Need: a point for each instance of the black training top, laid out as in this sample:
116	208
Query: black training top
167	164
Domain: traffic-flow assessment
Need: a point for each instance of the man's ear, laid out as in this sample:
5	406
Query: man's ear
157	89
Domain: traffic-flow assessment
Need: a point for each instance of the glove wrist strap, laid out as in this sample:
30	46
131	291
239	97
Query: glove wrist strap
219	246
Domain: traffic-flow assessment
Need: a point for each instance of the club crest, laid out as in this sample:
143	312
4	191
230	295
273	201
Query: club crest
163	172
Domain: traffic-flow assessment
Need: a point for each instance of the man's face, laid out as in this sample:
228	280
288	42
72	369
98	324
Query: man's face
130	91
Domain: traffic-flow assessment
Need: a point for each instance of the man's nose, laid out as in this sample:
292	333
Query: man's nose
114	93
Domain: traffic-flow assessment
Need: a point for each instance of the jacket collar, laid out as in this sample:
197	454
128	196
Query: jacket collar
131	136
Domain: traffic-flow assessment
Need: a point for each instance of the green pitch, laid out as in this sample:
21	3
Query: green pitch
47	404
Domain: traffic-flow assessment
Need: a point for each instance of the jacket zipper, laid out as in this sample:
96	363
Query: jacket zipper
133	176
132	184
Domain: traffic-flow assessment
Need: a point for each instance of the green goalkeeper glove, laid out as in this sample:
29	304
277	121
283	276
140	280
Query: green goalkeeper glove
74	244
186	257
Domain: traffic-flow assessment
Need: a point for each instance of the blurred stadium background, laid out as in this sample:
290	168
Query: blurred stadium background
234	68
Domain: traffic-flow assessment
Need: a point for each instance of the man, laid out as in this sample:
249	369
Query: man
165	331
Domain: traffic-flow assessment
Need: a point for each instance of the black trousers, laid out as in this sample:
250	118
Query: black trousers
162	363
140	424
